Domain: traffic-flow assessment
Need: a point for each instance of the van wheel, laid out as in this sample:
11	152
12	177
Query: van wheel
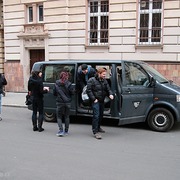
160	119
49	117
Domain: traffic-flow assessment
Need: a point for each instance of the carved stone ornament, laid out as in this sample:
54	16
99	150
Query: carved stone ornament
34	35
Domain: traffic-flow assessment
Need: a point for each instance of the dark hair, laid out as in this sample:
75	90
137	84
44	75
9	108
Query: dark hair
84	67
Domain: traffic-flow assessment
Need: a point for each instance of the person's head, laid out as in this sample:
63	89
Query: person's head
84	68
101	73
64	76
37	73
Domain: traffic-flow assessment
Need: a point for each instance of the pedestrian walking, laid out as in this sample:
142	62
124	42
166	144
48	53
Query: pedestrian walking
63	89
3	82
97	89
36	89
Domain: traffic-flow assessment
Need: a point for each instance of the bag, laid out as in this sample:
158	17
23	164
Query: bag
29	99
84	96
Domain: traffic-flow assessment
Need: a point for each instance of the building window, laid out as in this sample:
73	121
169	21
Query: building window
150	22
40	13
35	13
30	14
98	22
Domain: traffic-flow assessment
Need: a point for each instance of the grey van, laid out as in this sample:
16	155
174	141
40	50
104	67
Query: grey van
141	93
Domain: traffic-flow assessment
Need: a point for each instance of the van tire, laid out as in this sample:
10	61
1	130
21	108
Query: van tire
49	117
160	119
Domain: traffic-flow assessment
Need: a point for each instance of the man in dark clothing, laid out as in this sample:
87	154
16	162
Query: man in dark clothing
97	89
63	90
3	82
84	73
35	86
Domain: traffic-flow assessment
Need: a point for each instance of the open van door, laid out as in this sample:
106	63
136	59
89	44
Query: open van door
136	93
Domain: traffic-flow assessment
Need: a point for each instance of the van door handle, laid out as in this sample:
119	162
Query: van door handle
128	90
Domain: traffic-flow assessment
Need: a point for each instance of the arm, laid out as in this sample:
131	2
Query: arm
90	90
109	91
4	82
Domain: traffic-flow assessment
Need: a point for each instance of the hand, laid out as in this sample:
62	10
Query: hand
111	97
46	88
95	101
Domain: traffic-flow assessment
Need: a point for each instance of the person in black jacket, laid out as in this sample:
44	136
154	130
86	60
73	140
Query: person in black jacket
3	82
36	89
63	90
84	74
97	89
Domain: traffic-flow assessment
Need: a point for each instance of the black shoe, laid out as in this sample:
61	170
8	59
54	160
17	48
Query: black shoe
41	129
35	129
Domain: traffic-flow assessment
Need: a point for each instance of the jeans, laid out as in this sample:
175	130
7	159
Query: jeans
37	107
62	111
98	109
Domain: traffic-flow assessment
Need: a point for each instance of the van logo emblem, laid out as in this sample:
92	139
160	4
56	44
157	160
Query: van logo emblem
136	104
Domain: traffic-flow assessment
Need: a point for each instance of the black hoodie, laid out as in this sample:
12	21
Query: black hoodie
63	91
35	85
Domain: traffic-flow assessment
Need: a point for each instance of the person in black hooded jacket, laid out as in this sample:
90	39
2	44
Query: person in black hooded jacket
63	90
36	89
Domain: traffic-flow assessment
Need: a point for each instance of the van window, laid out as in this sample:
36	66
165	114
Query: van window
135	75
52	72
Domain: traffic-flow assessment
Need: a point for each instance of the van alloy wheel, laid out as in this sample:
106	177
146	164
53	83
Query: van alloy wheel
160	119
49	117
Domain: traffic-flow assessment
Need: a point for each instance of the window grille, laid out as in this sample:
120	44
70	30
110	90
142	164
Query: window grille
150	22
98	22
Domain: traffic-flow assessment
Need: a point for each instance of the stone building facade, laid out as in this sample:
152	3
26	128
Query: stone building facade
147	30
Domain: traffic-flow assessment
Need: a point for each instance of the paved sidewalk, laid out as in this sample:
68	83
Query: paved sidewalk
14	99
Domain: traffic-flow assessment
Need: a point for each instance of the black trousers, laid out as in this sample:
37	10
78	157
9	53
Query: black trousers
37	105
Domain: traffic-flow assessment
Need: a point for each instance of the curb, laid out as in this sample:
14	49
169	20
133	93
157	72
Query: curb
14	105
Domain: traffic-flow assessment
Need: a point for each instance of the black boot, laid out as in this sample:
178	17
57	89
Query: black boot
34	122
40	122
35	128
40	129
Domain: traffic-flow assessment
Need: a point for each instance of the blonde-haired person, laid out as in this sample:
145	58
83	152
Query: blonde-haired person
97	89
63	90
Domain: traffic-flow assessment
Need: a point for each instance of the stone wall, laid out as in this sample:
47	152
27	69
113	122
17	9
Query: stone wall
14	76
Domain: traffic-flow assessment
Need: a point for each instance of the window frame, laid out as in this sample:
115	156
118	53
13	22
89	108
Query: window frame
35	8
150	11
28	14
99	15
38	13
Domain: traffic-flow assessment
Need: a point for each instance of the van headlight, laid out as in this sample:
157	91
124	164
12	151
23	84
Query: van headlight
178	98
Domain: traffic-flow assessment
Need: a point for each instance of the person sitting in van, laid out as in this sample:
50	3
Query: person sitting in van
84	73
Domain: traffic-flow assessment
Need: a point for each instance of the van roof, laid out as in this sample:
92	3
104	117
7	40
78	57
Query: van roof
85	61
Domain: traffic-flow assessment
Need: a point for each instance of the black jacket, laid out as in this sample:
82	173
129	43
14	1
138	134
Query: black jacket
35	85
81	77
98	89
2	83
63	91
